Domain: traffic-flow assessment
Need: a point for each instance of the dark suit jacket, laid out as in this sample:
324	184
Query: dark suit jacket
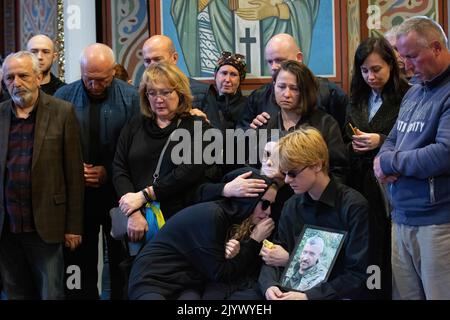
57	180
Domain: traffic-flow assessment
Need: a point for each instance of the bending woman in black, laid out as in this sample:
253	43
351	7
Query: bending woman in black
191	249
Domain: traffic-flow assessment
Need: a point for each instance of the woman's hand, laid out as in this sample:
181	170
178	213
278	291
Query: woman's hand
363	141
276	257
263	229
130	202
243	187
232	248
260	120
137	226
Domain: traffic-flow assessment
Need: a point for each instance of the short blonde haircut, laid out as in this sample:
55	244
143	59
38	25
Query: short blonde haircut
157	72
304	147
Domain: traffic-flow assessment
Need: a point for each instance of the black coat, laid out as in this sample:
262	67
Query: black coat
224	111
339	208
138	149
330	98
362	177
189	250
329	129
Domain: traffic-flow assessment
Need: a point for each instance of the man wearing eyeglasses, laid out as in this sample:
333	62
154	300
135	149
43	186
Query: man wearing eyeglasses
103	105
320	201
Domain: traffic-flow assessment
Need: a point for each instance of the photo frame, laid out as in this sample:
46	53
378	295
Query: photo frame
315	24
313	258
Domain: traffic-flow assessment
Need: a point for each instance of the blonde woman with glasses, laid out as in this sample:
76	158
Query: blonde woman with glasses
165	105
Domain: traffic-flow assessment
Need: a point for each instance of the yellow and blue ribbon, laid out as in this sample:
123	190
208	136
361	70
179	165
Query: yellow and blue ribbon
155	218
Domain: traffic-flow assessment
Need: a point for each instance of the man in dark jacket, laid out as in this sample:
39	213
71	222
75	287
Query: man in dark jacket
261	102
189	250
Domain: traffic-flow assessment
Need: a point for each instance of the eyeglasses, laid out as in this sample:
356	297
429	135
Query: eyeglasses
228	54
266	204
293	173
165	93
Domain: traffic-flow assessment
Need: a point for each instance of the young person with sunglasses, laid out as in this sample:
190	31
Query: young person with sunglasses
323	202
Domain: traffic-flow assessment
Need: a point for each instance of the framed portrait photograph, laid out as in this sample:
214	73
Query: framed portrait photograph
313	258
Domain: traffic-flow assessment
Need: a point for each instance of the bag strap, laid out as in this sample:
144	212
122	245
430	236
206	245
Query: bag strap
158	166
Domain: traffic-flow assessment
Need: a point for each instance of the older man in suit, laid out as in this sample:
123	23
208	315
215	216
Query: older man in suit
42	183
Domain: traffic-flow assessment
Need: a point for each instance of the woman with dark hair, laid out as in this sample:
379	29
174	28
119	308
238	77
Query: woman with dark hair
296	94
377	90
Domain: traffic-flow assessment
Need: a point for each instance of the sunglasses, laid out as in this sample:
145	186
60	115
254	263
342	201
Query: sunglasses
266	204
228	54
293	173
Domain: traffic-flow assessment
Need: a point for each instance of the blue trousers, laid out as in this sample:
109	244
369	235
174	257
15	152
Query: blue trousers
30	268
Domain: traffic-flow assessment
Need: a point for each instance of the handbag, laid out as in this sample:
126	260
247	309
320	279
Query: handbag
151	210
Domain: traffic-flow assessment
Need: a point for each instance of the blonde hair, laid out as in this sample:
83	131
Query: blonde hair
161	71
303	147
243	230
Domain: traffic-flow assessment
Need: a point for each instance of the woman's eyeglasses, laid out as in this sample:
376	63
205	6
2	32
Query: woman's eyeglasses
165	93
266	204
293	173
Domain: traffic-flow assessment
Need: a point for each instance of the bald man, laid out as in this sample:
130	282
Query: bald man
159	48
261	104
103	105
44	49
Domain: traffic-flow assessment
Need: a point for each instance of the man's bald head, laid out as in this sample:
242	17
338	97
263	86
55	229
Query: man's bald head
159	48
44	49
97	68
97	53
281	47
